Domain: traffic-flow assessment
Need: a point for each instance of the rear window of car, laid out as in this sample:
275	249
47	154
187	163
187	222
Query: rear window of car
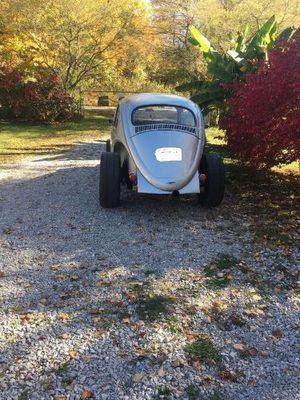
149	115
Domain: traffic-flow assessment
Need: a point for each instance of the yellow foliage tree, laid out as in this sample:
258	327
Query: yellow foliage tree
76	40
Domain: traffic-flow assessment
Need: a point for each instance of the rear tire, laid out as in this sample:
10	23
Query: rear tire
107	146
213	167
109	188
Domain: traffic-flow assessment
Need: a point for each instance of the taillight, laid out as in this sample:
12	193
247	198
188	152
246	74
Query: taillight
133	179
202	178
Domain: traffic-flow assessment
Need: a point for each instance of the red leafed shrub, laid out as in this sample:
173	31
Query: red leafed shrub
263	117
38	100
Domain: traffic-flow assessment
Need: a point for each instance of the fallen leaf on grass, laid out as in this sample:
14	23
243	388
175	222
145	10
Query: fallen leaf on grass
104	283
277	333
263	306
27	285
2	274
207	380
206	319
252	351
236	320
86	358
55	267
161	372
11	338
73	354
219	306
64	336
138	377
60	277
63	316
66	296
256	297
226	375
196	365
239	346
245	351
254	312
178	362
135	284
131	296
191	337
86	394
26	317
95	311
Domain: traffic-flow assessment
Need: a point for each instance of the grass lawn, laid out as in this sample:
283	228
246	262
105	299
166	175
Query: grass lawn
20	140
269	201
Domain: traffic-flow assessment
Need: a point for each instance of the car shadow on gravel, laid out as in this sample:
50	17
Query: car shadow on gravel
80	151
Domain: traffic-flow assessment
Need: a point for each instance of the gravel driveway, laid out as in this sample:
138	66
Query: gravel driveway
158	299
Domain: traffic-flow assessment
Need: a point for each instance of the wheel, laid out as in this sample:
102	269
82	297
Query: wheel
109	188
213	189
107	146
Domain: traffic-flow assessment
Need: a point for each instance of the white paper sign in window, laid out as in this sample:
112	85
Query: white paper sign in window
168	154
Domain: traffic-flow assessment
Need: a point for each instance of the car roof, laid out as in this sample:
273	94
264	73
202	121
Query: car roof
145	99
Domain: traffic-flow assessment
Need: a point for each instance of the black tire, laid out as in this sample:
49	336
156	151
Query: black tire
109	188
107	146
213	167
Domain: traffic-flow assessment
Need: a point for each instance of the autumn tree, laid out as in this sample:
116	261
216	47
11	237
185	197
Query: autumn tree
78	40
176	60
104	42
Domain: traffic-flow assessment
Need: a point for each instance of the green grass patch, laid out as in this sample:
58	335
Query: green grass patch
164	391
19	140
174	324
24	395
64	368
215	396
203	349
193	392
152	308
226	261
216	283
104	325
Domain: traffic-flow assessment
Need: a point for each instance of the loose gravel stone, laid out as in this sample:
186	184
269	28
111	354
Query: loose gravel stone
103	304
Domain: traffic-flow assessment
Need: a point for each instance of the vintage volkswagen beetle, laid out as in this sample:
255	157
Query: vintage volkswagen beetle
157	146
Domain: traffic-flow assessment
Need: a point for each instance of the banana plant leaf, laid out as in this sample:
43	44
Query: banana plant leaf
199	40
262	39
223	68
230	66
240	43
210	93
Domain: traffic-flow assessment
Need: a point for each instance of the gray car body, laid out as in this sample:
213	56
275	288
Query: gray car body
138	145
